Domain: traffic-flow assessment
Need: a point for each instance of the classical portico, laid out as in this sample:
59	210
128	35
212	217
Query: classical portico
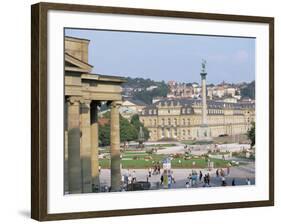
84	92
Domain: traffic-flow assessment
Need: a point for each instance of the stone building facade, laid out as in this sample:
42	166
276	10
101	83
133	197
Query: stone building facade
84	92
181	119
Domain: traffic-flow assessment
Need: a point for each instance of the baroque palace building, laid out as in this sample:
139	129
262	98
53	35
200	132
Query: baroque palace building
201	120
181	119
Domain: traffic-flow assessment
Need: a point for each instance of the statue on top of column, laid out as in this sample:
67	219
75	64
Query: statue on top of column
203	64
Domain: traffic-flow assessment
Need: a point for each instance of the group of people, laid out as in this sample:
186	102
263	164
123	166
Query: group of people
156	170
194	179
167	178
128	177
221	173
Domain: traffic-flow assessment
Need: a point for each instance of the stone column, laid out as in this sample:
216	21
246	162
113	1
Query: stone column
95	145
204	100
66	189
85	146
74	163
115	147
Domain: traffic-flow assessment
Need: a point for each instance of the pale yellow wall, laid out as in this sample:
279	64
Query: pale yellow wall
185	127
77	48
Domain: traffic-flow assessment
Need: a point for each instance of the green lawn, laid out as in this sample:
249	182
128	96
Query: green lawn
143	160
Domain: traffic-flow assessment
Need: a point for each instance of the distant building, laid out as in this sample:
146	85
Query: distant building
130	107
181	118
180	90
150	88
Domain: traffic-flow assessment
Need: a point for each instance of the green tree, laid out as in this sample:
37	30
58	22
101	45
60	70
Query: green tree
127	131
104	134
248	90
252	134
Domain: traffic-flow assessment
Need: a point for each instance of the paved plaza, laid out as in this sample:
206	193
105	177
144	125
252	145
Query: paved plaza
240	174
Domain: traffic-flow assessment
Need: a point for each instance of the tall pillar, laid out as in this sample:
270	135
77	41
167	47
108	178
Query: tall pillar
85	147
74	163
204	100
95	145
115	147
204	133
66	189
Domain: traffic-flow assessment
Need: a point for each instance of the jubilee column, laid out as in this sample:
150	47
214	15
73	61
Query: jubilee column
115	147
204	132
204	93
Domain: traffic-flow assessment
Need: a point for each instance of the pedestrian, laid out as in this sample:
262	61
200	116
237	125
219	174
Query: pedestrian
99	169
169	181
134	176
248	181
233	182
223	183
149	172
129	179
173	177
158	169
162	179
208	179
155	170
200	176
228	170
217	172
205	180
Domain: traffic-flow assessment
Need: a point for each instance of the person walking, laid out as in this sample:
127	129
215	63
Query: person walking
217	173
200	176
134	177
149	172
208	179
233	182
228	170
173	177
158	169
223	183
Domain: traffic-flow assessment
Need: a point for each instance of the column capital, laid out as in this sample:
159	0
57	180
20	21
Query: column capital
115	104
85	102
73	100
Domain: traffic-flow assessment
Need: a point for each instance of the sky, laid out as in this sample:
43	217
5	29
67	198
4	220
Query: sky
169	56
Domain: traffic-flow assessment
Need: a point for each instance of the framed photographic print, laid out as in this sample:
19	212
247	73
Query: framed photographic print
140	111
